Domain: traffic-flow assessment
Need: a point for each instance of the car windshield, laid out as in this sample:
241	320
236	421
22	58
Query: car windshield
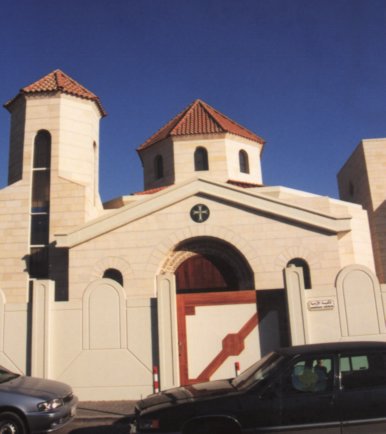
6	375
257	372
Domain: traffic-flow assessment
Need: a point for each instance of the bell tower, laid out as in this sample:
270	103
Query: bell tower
202	142
65	116
52	171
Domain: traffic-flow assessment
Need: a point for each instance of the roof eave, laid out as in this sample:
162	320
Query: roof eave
227	193
9	103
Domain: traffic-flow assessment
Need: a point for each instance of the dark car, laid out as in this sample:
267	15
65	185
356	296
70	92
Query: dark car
33	405
337	388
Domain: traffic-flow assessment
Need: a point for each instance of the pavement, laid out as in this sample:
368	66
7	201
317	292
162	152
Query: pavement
105	411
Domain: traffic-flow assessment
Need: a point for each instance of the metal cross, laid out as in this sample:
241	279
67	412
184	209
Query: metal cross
199	213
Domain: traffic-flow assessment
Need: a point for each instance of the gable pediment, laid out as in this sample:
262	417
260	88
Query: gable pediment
227	194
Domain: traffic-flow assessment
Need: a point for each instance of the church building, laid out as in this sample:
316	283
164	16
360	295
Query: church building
206	267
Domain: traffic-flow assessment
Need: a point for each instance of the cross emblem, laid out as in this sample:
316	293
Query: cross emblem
199	213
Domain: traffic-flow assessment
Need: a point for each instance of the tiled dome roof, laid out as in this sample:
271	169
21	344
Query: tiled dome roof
58	81
200	118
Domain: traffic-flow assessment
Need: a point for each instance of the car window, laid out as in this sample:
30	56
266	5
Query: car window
362	370
258	371
310	374
353	363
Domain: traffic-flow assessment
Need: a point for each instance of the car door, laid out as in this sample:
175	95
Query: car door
361	399
257	407
308	396
260	411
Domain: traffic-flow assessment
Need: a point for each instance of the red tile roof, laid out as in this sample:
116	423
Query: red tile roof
152	190
58	81
200	118
243	184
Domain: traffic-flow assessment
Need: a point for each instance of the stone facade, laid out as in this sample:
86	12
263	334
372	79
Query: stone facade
137	282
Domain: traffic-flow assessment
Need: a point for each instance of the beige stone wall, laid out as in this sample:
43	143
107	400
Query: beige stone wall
16	142
375	155
363	180
14	241
351	309
143	245
103	343
13	335
78	142
233	145
353	181
165	149
184	149
356	246
223	158
98	326
74	127
69	206
140	248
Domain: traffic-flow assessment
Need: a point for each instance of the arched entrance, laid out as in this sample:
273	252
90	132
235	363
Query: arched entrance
216	309
210	265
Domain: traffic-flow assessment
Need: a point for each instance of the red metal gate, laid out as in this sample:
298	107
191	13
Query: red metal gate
232	342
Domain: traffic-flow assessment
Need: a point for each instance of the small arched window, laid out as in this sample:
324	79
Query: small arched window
158	167
301	263
113	274
201	159
41	172
243	161
42	150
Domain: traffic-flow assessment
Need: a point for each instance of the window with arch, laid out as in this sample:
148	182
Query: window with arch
243	161
40	205
113	274
158	167
41	172
42	150
301	263
201	159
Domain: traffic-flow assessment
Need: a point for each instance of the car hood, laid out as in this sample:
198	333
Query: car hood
37	387
187	393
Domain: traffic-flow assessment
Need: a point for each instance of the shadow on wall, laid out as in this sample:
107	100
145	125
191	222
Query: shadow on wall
273	320
379	241
154	331
50	263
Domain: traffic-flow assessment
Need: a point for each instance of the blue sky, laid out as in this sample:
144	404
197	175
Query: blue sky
309	76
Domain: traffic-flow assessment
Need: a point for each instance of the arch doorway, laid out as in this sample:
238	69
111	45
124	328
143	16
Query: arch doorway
216	309
204	265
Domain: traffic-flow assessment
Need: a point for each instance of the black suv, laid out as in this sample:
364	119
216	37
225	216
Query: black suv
337	388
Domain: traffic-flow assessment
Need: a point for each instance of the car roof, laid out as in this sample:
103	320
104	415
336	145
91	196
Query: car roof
334	347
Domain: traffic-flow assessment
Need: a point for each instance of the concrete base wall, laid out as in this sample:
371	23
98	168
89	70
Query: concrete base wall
354	309
105	345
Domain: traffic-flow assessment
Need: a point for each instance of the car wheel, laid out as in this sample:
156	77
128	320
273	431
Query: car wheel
11	423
